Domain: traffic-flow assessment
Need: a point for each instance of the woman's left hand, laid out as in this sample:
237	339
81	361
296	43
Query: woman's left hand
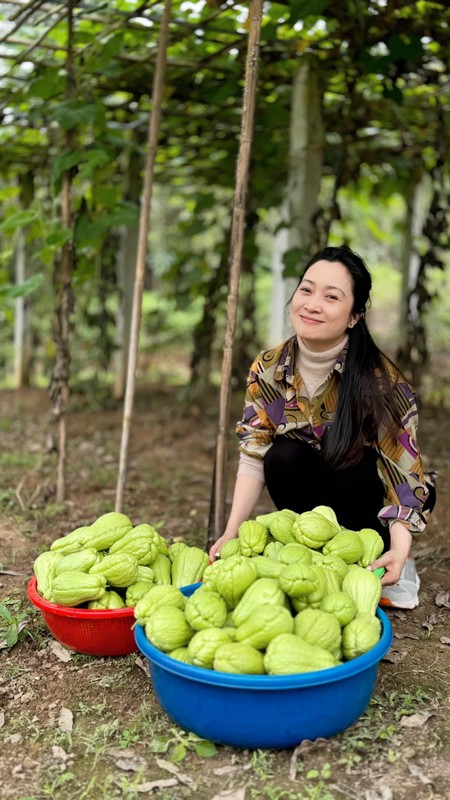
394	559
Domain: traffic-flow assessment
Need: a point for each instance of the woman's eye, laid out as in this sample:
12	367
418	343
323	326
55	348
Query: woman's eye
304	289
332	297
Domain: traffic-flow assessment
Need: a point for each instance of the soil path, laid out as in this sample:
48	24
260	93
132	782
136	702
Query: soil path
74	726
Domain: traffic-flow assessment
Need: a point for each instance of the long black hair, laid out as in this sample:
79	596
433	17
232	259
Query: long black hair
366	398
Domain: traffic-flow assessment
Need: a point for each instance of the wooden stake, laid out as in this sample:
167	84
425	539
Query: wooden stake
218	500
152	141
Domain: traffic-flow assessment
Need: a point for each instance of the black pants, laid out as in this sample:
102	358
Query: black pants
298	478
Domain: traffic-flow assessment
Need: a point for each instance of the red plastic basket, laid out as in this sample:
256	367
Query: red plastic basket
85	630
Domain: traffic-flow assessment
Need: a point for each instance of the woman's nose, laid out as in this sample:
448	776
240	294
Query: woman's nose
312	302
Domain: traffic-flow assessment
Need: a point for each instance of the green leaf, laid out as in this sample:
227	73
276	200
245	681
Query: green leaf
59	237
205	749
6	614
292	260
178	754
19	220
66	160
12	634
300	9
12	291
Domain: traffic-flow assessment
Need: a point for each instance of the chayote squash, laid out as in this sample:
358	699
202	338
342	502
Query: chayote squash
337	564
208	580
331	579
313	529
266	567
263	624
341	605
181	654
364	587
44	568
176	548
136	592
80	561
298	579
205	609
141	542
230	548
263	590
287	654
320	629
119	569
373	546
239	658
281	526
329	514
314	598
188	566
108	601
72	542
360	635
253	537
145	574
106	530
162	569
74	588
157	597
294	553
167	628
272	550
347	545
203	645
233	578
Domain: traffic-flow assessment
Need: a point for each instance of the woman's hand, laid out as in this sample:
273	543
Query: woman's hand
394	559
217	546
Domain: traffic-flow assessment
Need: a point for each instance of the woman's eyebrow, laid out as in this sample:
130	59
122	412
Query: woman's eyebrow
336	288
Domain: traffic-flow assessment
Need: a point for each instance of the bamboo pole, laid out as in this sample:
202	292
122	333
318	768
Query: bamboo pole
59	384
218	500
142	247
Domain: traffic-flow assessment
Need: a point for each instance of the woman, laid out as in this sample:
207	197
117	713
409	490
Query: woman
329	420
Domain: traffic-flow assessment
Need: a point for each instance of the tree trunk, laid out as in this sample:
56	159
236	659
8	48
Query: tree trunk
22	317
218	500
64	267
141	258
306	146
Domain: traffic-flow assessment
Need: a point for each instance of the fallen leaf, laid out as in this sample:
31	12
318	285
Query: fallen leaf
417	772
304	747
65	720
230	794
394	656
2	718
168	766
142	664
121	752
59	754
145	788
445	639
60	652
416	720
225	771
442	599
130	764
382	793
405	636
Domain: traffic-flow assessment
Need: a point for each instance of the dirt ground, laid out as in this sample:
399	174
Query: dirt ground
76	726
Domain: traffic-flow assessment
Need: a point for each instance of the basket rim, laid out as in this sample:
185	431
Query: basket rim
71	611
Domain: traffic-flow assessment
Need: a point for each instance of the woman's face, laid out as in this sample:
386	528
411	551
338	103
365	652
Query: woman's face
321	308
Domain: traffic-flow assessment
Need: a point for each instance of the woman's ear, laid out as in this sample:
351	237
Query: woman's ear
355	318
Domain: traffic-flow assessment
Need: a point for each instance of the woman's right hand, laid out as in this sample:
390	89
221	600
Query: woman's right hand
214	552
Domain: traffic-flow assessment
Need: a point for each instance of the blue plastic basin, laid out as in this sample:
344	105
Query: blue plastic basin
264	711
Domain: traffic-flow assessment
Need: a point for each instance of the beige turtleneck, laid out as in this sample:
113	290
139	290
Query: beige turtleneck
314	367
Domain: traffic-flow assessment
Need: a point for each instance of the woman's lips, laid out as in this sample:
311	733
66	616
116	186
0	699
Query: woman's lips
310	320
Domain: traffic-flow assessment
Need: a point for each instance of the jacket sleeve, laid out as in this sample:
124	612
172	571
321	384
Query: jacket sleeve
256	429
400	467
